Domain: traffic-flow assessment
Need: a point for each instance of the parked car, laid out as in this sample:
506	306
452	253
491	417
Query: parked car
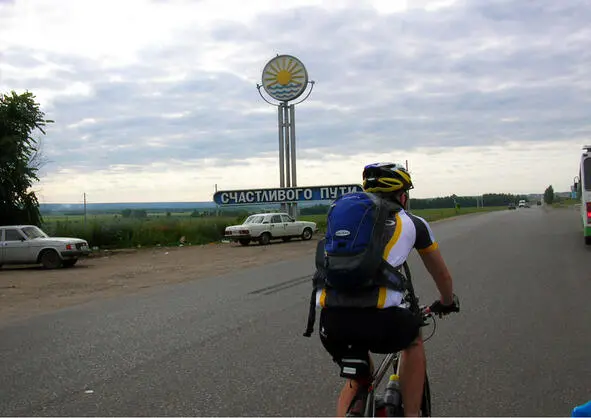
264	227
511	206
28	244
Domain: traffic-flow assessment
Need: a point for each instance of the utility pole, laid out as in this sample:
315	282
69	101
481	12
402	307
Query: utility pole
217	207
408	192
84	210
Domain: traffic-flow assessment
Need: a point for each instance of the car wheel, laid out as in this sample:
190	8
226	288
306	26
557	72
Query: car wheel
587	240
244	241
307	234
50	259
265	238
69	263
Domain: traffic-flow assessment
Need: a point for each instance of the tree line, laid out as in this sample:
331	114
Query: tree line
452	201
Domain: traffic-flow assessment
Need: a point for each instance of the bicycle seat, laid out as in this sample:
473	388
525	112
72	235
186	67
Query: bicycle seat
355	368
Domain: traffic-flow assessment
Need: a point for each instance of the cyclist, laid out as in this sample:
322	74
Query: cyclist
392	326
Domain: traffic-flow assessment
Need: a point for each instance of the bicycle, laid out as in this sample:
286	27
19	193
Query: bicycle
371	402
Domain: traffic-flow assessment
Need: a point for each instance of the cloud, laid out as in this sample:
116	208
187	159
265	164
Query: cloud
137	88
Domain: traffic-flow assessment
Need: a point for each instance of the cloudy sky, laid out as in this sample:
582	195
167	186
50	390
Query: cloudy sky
156	100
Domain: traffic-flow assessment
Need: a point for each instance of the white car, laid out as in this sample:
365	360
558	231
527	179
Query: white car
27	244
264	227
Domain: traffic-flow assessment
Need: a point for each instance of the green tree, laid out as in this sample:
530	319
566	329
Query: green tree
549	195
20	158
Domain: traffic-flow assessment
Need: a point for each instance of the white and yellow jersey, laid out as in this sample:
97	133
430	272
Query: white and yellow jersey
405	231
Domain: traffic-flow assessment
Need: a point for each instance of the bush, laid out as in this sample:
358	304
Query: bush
129	232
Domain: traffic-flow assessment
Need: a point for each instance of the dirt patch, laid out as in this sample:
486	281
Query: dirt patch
27	291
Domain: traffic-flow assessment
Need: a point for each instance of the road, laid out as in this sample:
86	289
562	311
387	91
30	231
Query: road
233	345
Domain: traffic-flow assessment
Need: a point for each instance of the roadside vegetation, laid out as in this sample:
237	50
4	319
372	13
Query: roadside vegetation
556	201
112	231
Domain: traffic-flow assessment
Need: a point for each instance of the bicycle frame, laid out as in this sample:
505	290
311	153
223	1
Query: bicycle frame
370	405
367	390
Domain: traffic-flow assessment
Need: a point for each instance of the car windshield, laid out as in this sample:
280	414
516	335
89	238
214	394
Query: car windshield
33	232
253	219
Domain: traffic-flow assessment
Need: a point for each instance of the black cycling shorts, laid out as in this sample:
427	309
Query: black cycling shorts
358	331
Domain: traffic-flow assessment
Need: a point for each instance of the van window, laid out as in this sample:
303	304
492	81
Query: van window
587	173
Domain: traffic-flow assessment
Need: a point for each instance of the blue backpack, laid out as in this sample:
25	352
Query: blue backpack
355	241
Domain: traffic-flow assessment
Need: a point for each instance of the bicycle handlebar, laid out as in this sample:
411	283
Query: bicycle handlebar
429	311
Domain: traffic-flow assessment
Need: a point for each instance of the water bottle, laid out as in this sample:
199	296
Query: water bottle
393	396
380	406
582	410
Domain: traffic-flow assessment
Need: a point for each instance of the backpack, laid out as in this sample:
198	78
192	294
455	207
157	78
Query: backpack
354	241
350	258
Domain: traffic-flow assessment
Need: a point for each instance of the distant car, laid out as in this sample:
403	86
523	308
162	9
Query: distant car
28	244
522	203
511	206
264	227
539	203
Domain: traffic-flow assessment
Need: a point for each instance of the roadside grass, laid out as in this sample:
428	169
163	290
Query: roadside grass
566	203
110	231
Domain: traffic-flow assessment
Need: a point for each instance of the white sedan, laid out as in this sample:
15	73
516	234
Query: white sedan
264	227
27	244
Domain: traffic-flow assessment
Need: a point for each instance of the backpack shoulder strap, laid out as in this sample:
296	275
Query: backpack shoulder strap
387	209
311	315
317	283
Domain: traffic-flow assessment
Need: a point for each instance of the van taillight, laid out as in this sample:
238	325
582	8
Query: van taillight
588	212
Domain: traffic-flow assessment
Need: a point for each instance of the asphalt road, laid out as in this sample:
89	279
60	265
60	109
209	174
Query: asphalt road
233	345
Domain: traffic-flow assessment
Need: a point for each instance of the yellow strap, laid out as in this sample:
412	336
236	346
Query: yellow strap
323	298
394	238
382	297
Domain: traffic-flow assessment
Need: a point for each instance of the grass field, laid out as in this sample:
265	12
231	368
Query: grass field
566	203
114	231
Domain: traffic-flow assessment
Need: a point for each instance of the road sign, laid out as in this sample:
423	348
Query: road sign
283	195
285	78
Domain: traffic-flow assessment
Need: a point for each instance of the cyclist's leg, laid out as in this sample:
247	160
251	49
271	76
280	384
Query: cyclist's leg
348	392
339	336
412	377
401	332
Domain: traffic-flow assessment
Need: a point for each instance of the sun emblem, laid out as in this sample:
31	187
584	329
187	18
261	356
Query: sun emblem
285	78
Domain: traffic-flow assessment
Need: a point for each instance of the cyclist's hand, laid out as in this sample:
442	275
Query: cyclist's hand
440	309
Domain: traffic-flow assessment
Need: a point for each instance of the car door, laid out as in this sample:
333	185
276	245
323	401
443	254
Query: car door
277	226
1	246
291	228
16	247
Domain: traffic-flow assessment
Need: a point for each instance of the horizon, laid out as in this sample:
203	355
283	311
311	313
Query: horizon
262	204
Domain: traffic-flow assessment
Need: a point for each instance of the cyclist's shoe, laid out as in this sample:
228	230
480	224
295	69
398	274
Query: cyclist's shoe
440	309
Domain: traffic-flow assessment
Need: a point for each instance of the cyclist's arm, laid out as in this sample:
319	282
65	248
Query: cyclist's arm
428	249
437	268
